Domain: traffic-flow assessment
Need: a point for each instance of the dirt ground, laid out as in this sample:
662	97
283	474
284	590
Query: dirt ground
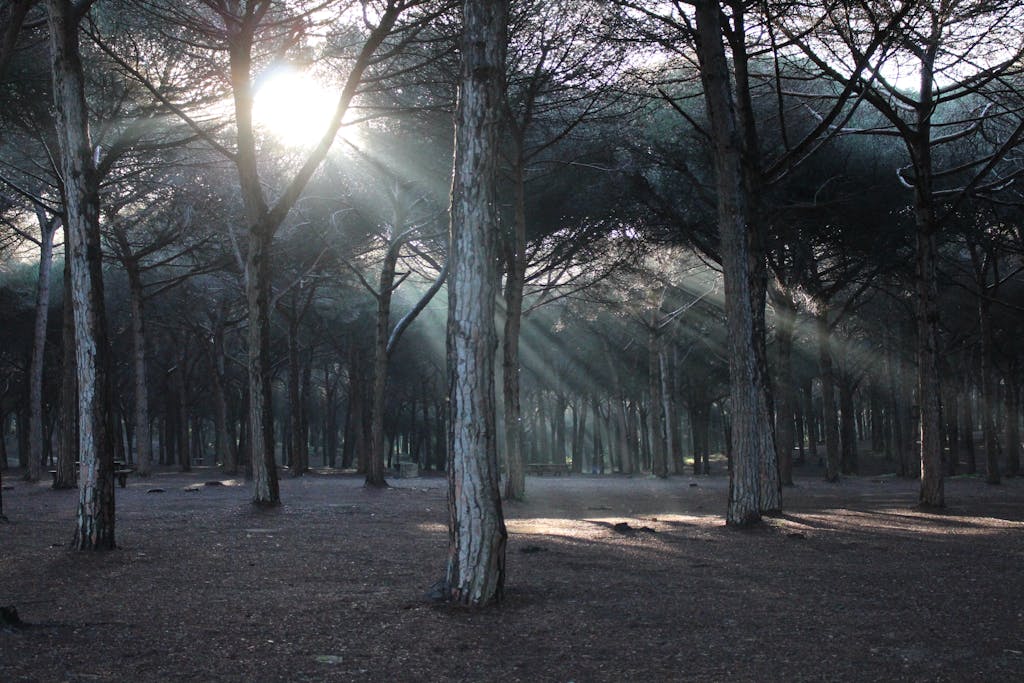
852	584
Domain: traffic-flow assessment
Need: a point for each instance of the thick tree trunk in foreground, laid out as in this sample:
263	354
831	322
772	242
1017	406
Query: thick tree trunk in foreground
477	537
94	529
752	434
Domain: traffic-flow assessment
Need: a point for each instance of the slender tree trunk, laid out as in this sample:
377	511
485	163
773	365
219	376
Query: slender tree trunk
94	528
700	426
375	472
656	417
927	299
1012	423
47	228
143	439
515	278
476	553
811	420
68	453
828	410
181	393
988	391
847	426
261	442
297	465
785	318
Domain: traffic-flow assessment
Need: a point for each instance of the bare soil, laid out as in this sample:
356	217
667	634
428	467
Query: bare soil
609	579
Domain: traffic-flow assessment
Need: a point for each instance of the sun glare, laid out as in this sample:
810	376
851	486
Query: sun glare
293	107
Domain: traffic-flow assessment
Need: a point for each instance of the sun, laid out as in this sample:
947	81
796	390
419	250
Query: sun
293	106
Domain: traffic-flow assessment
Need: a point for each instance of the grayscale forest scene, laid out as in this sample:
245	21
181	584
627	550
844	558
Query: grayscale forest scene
511	340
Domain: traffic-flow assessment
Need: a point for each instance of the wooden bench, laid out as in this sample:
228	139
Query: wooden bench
542	468
121	472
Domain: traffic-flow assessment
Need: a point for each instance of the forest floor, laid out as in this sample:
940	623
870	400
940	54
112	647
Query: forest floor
852	583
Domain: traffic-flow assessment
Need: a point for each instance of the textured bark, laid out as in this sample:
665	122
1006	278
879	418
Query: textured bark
265	487
47	228
752	435
967	425
94	528
477	537
375	470
67	454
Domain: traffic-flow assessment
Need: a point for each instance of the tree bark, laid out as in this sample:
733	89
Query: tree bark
752	434
375	471
143	438
477	537
47	229
68	453
94	528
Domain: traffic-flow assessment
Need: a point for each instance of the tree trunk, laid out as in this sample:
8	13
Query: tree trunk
181	422
811	420
515	278
847	426
656	415
967	425
47	228
375	471
1012	422
752	437
700	428
951	406
143	439
828	401
265	491
297	464
68	453
94	528
785	319
988	391
477	537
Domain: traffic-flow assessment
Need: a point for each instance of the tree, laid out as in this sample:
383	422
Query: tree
94	528
752	432
961	52
250	32
476	549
